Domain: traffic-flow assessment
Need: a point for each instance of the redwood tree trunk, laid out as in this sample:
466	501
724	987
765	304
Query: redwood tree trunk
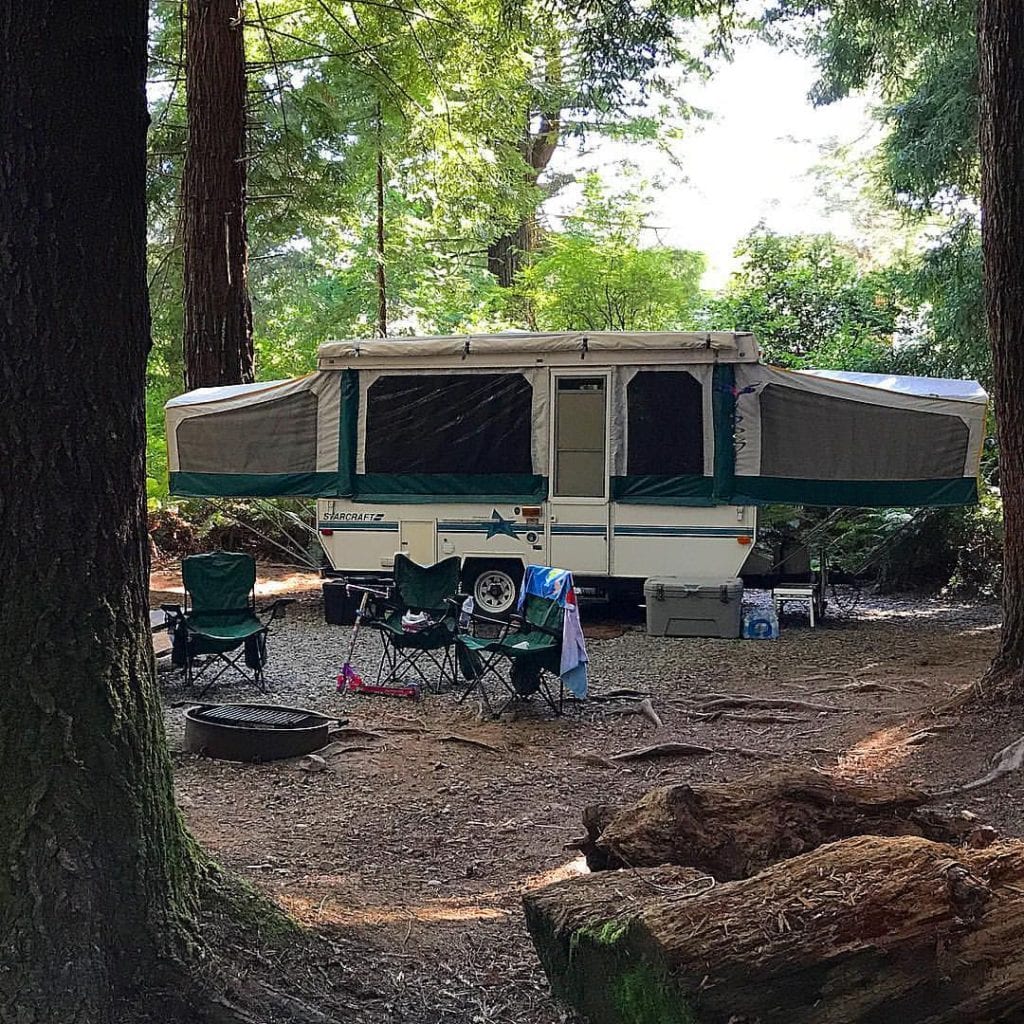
1001	68
507	255
218	317
97	875
382	278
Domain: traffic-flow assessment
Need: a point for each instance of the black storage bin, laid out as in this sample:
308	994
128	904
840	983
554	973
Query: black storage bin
339	608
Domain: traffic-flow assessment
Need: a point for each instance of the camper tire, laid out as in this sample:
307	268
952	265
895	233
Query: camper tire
494	586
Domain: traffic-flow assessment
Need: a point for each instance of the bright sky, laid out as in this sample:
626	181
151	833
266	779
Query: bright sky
752	162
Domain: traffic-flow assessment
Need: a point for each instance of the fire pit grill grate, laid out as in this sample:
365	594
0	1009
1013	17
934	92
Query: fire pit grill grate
254	732
258	716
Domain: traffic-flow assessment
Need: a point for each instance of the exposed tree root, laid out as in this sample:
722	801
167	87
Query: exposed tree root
726	701
1008	760
644	708
348	732
1001	684
455	737
677	749
596	761
762	717
860	686
622	693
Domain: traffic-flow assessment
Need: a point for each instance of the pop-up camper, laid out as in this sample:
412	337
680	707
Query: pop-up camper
617	455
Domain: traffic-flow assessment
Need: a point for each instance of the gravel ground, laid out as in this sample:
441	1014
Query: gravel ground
411	850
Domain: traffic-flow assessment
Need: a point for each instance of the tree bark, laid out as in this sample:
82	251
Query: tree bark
735	829
218	317
382	277
862	931
1001	142
97	875
507	255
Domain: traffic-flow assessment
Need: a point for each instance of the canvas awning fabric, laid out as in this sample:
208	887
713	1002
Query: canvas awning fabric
835	438
275	438
694	433
723	344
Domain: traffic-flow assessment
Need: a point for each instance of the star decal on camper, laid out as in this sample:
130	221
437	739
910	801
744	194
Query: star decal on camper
499	526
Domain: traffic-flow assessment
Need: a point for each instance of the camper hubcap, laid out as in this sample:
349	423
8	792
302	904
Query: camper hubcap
494	591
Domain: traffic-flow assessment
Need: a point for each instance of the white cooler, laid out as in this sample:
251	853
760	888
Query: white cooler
677	606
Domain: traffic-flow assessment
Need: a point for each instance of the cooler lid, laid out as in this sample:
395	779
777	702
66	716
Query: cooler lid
681	586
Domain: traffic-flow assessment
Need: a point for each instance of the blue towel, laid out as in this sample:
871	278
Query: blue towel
556	585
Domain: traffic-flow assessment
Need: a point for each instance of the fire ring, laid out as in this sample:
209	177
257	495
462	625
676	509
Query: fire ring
254	732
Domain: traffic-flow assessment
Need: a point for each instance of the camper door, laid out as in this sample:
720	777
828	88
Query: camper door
579	470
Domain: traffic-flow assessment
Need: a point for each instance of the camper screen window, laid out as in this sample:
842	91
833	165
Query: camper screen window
449	423
665	424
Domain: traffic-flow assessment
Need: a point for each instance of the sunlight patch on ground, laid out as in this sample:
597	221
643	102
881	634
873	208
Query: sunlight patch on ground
330	911
168	581
936	610
570	869
877	753
345	911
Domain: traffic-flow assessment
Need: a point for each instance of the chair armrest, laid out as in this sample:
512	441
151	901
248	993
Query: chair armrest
355	588
490	620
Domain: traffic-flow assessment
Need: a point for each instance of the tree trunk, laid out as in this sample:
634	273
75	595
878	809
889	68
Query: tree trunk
218	318
735	829
863	931
1001	141
97	875
507	255
382	277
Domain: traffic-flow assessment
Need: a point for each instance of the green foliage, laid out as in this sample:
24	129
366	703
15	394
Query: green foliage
595	276
952	337
921	56
979	550
811	301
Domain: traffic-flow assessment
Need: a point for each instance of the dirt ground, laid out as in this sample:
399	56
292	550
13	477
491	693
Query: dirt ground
409	853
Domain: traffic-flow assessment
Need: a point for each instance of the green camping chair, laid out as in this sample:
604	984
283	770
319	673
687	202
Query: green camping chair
528	646
419	590
219	623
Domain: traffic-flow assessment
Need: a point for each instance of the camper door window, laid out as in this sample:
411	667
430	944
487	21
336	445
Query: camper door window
580	437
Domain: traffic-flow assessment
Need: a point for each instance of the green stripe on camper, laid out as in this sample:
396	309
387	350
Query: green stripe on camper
425	488
347	429
682	531
254	485
694	490
766	490
723	405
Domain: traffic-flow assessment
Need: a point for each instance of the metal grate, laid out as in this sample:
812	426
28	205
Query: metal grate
258	717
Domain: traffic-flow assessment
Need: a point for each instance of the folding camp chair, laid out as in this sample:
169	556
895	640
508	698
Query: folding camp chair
529	645
426	593
219	623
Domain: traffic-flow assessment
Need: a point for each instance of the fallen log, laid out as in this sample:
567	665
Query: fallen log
734	829
863	931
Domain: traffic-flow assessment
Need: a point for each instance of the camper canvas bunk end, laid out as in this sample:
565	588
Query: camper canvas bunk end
619	456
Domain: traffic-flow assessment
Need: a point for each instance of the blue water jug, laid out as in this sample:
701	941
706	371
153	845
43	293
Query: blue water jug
761	624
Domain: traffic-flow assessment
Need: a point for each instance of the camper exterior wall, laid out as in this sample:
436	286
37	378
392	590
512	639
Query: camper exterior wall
638	540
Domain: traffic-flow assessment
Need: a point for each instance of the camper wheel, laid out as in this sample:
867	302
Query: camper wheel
494	585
